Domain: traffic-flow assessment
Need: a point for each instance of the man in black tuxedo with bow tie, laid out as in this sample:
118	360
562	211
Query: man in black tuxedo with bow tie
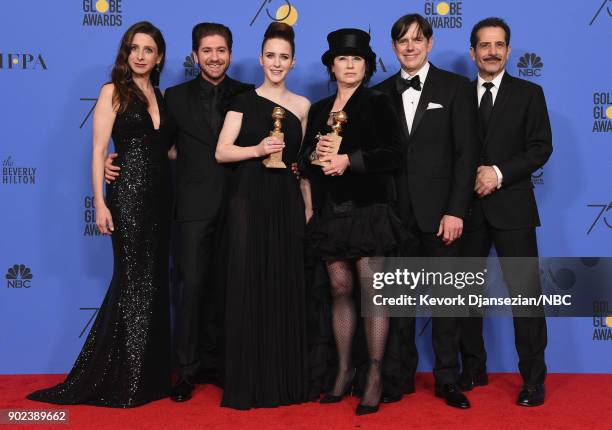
198	108
517	141
436	184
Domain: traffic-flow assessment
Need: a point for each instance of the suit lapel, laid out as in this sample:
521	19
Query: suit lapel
195	108
396	97
428	90
500	102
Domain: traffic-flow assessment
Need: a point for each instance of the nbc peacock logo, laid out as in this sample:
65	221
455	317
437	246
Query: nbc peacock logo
537	177
530	65
102	13
18	276
191	67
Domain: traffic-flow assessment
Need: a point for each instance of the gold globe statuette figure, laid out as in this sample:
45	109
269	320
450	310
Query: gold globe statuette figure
275	160
339	118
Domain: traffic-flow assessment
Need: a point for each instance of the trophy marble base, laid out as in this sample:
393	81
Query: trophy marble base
336	141
275	161
274	164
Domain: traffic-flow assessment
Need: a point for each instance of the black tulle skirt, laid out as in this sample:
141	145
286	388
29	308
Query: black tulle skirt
346	232
265	303
351	232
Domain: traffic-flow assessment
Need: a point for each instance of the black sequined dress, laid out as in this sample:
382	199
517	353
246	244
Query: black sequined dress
125	360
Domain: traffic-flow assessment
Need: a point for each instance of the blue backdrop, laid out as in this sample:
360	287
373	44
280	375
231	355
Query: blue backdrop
54	56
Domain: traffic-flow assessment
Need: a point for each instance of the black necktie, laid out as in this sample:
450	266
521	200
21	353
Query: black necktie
486	104
215	117
404	84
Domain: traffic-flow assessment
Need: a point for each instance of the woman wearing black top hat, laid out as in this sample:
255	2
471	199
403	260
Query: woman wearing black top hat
353	195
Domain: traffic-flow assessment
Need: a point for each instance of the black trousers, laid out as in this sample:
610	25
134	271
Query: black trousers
444	330
530	336
197	313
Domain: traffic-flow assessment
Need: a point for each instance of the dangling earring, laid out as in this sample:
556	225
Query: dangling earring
157	68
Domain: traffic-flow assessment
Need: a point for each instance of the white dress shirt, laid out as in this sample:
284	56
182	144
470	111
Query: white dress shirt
480	89
411	97
494	89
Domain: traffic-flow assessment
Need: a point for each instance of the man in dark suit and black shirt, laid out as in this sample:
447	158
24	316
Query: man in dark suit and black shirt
517	141
198	108
436	185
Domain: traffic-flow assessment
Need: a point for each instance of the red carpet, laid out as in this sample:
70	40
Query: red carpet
573	402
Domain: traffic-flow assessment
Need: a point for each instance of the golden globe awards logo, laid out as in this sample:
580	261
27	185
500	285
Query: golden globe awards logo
602	321
92	101
602	112
92	317
286	12
13	175
601	218
444	14
89	217
27	61
102	13
604	9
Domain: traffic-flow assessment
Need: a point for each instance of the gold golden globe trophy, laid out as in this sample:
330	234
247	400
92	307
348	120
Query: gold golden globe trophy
275	160
339	118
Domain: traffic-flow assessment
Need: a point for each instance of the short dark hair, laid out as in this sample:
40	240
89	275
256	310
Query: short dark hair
489	22
370	68
205	29
402	25
280	30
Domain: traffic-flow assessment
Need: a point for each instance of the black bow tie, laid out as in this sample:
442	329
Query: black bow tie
404	84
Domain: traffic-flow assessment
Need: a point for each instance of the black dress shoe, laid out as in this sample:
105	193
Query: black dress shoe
531	395
365	409
181	392
453	396
467	381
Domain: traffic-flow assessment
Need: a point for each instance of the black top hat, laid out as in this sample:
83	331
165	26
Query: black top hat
348	41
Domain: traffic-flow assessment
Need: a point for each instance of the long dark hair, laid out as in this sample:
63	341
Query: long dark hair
121	76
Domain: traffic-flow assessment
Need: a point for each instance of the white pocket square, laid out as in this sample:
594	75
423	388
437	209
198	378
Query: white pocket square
434	106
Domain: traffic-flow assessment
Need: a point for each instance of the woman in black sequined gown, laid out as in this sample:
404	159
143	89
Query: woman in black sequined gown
125	361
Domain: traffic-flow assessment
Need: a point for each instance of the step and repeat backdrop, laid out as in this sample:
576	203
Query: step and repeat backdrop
54	57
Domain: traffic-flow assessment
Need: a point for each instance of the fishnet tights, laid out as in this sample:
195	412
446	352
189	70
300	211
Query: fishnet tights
344	320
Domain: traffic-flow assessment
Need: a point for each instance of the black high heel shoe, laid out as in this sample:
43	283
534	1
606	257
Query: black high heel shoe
332	398
367	409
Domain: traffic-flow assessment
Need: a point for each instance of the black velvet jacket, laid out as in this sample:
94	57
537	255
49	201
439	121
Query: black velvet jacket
371	138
